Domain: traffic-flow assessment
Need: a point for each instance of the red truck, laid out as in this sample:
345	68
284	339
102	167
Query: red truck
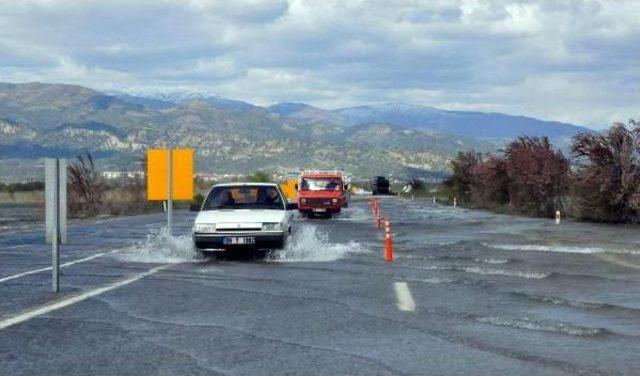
322	193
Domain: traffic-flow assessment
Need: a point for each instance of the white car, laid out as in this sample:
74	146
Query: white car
235	216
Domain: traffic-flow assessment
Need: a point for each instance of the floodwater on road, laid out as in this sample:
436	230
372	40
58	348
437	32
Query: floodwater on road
19	215
469	292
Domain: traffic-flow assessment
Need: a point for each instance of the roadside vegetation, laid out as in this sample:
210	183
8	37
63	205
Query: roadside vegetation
530	177
21	202
599	180
259	177
21	187
25	193
89	194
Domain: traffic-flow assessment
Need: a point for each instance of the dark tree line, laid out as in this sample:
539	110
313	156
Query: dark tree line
533	178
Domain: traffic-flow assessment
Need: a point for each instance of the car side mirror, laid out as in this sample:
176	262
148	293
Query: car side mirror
296	187
194	207
346	187
292	206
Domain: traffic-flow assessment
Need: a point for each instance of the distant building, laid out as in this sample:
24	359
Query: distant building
122	174
212	177
206	177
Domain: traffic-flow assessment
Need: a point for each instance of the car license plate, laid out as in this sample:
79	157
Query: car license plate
239	240
319	210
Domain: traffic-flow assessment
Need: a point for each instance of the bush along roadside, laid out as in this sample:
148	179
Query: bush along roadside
530	177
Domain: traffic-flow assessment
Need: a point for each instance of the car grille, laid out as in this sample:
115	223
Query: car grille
318	201
239	229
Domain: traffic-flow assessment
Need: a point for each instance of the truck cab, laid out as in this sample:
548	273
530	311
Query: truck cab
322	193
380	186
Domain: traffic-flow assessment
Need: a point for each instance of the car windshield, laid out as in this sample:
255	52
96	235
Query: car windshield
310	184
245	197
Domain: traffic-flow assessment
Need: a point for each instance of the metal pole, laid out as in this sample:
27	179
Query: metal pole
55	241
170	193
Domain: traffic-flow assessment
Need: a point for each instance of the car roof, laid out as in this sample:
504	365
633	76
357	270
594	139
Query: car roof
243	184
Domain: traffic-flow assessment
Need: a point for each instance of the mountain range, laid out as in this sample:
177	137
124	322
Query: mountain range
38	120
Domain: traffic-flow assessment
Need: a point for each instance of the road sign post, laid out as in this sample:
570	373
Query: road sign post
55	213
170	177
170	192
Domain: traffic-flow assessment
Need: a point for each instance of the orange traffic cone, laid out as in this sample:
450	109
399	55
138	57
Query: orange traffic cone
388	241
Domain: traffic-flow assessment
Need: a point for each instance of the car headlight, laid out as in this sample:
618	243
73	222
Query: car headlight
204	228
303	200
271	227
334	200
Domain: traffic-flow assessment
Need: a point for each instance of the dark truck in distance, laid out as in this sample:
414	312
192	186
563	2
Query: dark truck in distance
380	186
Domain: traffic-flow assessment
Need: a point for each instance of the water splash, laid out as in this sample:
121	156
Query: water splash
355	213
309	244
160	247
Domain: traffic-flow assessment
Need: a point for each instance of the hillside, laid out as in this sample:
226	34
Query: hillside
39	120
463	123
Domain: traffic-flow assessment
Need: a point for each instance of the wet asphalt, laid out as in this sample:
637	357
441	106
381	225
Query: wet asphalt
469	292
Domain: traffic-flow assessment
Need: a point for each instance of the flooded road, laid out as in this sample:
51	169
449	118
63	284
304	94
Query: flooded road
19	215
469	292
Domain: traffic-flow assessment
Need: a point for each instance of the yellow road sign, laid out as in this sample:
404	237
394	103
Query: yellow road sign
157	174
288	187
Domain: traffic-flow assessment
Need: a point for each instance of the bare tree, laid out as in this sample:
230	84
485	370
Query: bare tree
86	186
607	185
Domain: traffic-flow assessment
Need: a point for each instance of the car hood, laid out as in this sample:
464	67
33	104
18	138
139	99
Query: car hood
240	216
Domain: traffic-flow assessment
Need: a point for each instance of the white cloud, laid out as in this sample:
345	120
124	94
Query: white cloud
570	60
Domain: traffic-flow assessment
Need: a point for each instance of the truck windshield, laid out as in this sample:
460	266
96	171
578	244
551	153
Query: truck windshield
245	197
310	184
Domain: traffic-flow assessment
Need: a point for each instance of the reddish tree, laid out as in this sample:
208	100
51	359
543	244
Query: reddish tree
607	185
462	178
538	175
491	183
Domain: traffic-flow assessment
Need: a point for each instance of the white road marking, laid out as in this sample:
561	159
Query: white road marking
18	246
404	300
61	265
29	314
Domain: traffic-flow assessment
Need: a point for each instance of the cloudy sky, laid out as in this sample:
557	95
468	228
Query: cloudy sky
569	60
